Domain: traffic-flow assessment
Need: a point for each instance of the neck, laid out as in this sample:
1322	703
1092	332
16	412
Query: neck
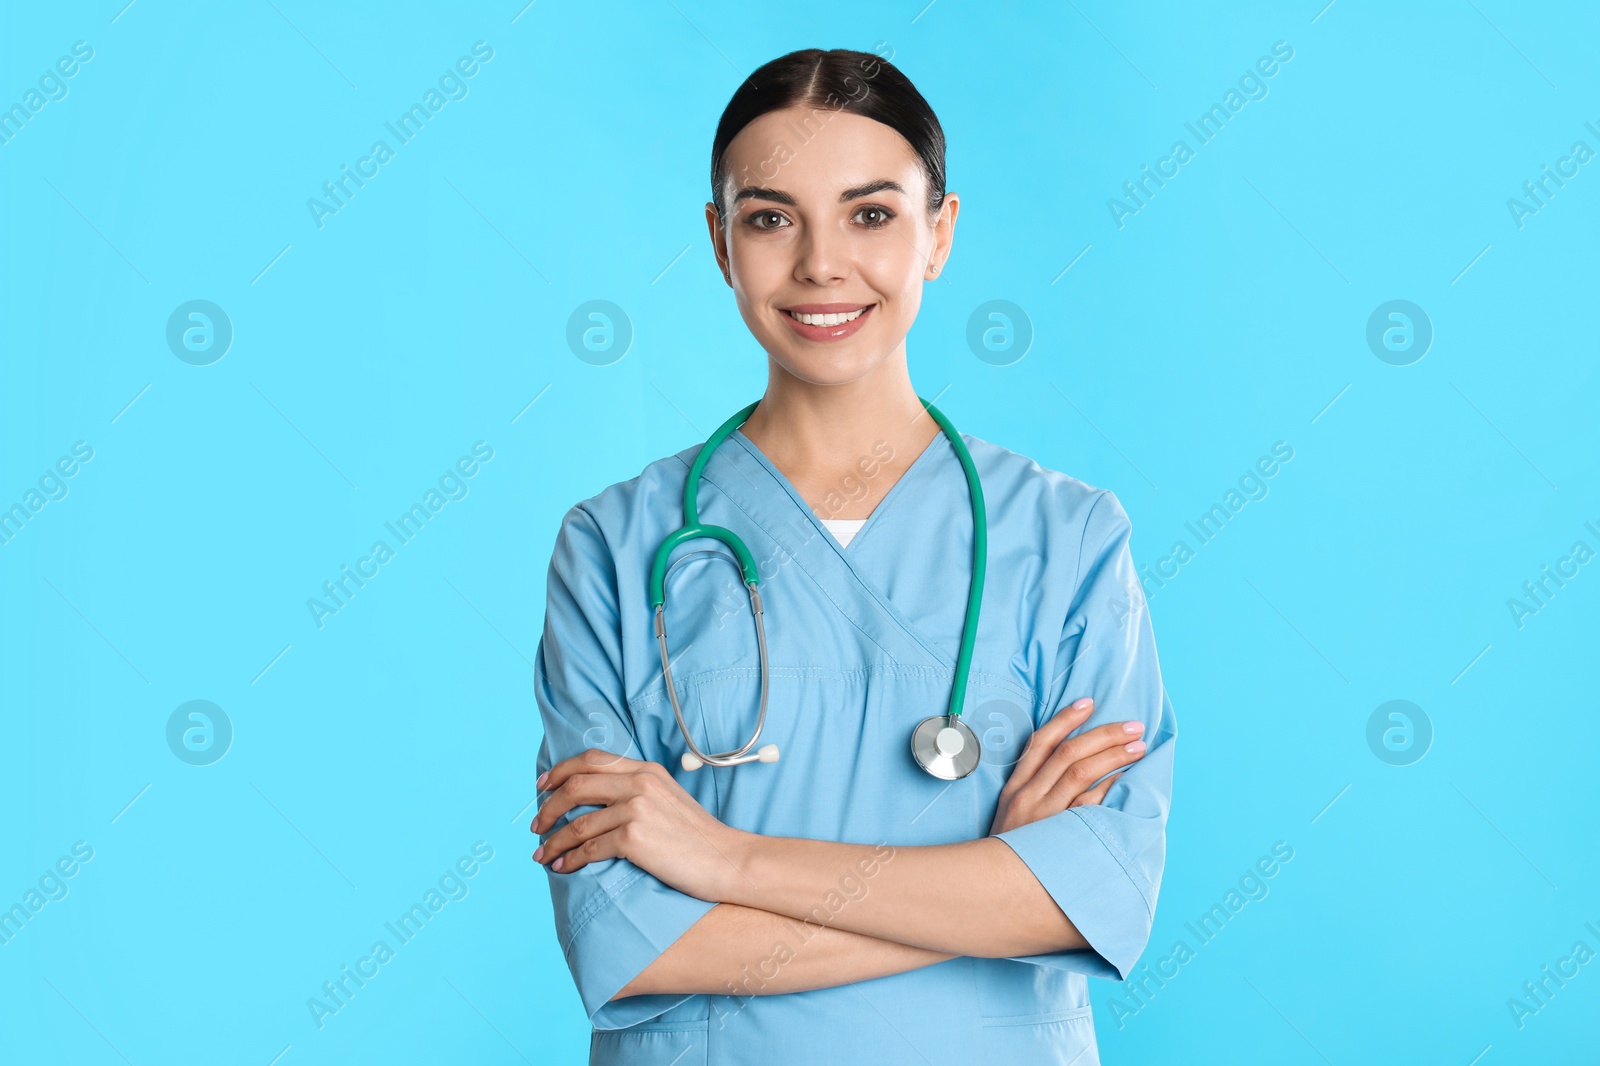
842	445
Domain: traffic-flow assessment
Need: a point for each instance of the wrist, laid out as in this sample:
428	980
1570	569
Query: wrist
742	850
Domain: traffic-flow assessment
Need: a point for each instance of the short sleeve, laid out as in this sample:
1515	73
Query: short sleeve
1102	863
612	918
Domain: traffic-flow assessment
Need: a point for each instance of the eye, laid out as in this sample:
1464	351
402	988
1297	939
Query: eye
884	216
755	221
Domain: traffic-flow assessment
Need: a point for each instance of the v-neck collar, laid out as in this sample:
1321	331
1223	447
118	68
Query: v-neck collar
940	443
735	472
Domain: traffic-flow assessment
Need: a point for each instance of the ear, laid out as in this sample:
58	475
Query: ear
719	241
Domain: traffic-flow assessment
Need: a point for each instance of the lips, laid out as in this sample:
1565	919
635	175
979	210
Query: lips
837	326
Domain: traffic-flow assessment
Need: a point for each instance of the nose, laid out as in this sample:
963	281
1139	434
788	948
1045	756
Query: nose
823	257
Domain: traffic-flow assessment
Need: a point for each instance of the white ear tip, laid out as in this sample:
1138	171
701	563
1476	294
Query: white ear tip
691	762
768	753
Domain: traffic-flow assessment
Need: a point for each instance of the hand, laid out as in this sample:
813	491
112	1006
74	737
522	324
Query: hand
645	817
1055	773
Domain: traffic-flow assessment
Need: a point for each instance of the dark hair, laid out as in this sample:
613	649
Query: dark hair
836	79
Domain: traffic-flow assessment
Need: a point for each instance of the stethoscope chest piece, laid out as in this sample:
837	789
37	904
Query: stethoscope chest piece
945	747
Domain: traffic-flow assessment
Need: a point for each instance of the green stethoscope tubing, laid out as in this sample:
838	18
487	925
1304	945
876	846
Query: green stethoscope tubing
693	528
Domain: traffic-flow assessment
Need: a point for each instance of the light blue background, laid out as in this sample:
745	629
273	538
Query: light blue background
370	353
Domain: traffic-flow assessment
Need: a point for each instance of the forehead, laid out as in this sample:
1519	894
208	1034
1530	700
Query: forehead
818	151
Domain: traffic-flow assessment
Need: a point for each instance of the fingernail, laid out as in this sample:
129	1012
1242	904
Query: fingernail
1133	727
1081	704
540	782
1136	747
538	853
557	864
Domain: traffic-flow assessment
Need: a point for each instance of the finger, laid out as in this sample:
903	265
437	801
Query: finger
1097	794
588	761
583	828
1111	736
579	790
1044	739
1081	775
605	846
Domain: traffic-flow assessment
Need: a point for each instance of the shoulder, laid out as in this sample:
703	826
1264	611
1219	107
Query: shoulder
1017	487
628	508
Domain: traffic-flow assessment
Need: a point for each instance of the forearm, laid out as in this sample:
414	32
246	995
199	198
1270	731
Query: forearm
743	951
972	898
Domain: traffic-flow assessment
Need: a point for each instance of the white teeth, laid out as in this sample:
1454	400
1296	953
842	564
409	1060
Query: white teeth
829	320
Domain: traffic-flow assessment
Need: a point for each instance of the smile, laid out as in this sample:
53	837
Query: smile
825	323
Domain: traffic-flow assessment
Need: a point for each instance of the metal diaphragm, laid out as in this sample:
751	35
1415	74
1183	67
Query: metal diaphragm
945	747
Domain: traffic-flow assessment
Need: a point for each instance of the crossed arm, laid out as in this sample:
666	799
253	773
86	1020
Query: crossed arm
844	912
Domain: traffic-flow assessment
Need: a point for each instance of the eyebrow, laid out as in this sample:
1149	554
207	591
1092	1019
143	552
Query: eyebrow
781	197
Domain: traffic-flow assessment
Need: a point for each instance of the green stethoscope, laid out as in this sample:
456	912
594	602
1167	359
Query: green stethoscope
943	745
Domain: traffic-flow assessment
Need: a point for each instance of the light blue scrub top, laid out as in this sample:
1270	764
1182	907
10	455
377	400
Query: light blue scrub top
862	643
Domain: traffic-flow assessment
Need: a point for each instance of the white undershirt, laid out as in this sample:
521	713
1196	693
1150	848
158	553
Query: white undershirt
844	529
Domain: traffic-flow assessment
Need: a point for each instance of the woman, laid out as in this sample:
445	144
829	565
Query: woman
841	904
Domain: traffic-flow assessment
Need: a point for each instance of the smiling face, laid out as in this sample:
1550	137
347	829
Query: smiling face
827	241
